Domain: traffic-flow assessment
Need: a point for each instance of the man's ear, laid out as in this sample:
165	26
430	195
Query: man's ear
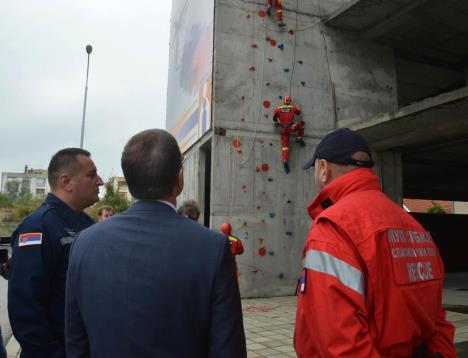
324	172
64	182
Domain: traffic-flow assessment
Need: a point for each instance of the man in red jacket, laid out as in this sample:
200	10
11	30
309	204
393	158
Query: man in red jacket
278	4
371	283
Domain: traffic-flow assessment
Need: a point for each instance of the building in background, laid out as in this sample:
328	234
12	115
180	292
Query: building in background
396	71
121	187
32	181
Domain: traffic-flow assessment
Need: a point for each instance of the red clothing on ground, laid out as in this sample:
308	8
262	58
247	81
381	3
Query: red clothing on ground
372	278
284	115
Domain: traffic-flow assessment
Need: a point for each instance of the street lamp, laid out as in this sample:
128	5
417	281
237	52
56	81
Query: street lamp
89	49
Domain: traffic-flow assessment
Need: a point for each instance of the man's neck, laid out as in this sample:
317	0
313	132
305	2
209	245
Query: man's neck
67	200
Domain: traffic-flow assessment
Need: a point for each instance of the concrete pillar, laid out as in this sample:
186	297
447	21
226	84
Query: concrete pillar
390	172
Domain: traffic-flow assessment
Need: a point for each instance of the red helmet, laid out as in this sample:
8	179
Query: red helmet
287	99
225	228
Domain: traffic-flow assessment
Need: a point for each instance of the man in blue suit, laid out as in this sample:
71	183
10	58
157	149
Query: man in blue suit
149	282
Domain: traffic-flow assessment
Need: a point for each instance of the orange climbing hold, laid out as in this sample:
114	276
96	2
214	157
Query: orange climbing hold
258	206
257	169
266	103
265	167
254	45
268	38
236	143
261	13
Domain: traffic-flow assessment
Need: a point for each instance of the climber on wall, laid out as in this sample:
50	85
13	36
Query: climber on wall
278	4
284	118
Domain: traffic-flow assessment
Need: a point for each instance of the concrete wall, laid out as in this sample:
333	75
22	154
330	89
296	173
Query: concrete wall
330	75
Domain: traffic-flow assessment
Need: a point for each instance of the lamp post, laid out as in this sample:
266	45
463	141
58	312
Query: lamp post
89	49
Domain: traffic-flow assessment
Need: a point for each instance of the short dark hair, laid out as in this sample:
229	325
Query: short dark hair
65	159
189	208
106	208
151	161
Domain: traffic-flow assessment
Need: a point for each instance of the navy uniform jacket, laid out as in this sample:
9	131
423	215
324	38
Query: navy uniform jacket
151	283
36	288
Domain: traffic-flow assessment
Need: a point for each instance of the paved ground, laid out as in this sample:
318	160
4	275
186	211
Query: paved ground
269	328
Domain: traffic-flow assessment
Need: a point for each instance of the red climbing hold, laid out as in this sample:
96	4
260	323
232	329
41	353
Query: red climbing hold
270	60
247	16
291	31
262	251
273	42
265	167
242	119
268	38
254	45
266	103
261	13
236	143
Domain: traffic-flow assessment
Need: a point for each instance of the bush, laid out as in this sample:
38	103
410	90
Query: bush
116	200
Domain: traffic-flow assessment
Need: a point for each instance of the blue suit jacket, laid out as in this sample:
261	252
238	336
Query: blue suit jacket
152	283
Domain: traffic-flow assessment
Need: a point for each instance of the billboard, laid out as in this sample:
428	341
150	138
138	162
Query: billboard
189	90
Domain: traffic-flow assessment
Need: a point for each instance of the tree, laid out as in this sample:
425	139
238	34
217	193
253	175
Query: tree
5	201
25	186
12	189
436	209
24	205
116	200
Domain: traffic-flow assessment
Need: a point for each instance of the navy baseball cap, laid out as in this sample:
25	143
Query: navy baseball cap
339	146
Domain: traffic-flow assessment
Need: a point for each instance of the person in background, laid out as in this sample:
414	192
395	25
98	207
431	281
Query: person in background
189	209
40	249
148	282
372	277
105	212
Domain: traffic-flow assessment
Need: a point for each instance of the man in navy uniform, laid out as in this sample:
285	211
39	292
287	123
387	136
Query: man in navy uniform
149	282
41	244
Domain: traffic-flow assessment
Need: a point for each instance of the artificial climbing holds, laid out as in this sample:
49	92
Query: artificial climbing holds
300	62
262	251
270	179
280	97
268	83
254	45
270	59
273	42
291	31
286	69
265	167
261	13
281	46
271	253
266	103
289	233
303	83
257	168
271	215
236	143
252	68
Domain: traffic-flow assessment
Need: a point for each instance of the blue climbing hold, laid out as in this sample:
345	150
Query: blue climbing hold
280	97
300	62
272	215
270	179
303	83
286	69
288	233
280	46
271	253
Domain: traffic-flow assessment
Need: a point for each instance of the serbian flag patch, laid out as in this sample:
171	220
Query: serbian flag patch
32	238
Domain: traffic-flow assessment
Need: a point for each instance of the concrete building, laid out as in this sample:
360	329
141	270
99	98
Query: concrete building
121	187
394	71
31	180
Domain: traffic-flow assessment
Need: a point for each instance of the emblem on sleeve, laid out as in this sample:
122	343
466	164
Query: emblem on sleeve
32	238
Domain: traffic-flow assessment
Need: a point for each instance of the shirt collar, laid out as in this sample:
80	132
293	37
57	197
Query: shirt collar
168	203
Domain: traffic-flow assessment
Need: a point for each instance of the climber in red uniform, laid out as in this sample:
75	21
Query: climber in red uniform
278	4
372	277
284	118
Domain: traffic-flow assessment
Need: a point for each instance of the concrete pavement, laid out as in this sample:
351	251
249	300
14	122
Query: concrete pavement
269	328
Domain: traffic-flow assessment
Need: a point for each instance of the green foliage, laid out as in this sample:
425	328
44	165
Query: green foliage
116	200
436	209
5	201
24	205
12	190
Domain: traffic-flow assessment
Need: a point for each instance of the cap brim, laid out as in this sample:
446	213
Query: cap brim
309	164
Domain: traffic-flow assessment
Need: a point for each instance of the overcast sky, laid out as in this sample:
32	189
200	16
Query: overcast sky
43	72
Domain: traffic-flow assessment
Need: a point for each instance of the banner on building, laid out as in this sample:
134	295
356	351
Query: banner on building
190	70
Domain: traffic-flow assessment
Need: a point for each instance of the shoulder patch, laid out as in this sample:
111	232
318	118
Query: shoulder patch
32	238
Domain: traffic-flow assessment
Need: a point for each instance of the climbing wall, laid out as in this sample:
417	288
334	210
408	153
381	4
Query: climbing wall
330	77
